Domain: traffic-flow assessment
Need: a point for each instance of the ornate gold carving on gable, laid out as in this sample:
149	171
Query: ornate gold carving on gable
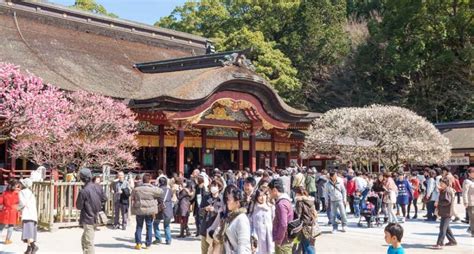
219	113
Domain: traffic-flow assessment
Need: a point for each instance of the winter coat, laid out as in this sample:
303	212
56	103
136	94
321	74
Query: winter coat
27	205
208	218
200	193
391	193
167	213
415	186
351	187
89	201
404	192
261	219
468	192
9	214
457	186
320	185
121	192
445	201
184	202
310	183
306	211
435	193
335	191
144	199
286	180
283	215
237	234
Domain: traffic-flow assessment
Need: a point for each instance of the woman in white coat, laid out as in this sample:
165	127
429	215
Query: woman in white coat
261	223
235	233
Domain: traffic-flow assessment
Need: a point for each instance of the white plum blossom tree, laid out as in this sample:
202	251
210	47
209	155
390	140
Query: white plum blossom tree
393	135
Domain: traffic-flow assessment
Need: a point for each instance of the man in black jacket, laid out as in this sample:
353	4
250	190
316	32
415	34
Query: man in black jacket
89	201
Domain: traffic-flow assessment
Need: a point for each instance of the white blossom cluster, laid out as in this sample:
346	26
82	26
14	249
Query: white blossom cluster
393	135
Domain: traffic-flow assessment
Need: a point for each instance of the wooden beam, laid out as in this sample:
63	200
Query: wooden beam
180	151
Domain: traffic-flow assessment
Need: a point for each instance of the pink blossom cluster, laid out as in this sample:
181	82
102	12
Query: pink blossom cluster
50	126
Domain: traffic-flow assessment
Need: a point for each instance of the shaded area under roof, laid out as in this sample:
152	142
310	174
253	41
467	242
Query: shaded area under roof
460	134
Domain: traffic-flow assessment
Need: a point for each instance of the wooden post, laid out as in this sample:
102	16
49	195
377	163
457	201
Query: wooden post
162	149
252	151
180	151
241	151
300	162
203	145
272	153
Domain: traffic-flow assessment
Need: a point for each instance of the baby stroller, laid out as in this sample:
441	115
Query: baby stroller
370	211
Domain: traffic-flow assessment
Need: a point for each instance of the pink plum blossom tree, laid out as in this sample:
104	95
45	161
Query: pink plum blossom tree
36	116
53	127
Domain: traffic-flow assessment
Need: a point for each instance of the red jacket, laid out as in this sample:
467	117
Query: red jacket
351	187
457	185
415	186
9	213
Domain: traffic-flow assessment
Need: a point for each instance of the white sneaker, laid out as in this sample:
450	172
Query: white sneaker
343	229
333	231
402	220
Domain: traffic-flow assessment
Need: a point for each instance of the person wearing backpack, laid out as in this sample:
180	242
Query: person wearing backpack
121	193
165	212
283	216
306	211
336	192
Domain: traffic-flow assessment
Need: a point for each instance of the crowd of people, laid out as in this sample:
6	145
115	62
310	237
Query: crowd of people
263	212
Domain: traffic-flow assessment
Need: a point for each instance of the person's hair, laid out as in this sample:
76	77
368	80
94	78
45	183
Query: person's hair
456	176
433	173
159	172
178	180
12	184
445	181
95	178
277	184
414	173
257	194
146	178
332	173
358	173
251	180
301	190
200	179
234	192
387	174
218	183
394	229
470	170
162	181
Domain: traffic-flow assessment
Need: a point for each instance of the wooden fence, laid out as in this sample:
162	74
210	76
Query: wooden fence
56	203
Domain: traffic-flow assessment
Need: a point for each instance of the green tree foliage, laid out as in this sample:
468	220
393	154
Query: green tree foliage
420	56
92	6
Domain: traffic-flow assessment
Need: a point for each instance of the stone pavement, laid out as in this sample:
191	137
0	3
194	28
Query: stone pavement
419	236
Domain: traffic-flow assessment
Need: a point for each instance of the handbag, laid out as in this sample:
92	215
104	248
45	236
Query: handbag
294	227
161	204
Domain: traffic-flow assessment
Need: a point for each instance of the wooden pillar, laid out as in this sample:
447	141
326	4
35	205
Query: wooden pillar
300	162
272	153
162	149
203	145
241	151
252	151
180	151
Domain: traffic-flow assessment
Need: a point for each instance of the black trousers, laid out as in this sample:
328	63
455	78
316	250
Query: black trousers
445	231
350	198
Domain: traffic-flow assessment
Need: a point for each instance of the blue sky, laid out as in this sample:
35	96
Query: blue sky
144	11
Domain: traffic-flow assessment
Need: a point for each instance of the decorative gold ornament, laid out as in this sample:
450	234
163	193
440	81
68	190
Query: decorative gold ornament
219	113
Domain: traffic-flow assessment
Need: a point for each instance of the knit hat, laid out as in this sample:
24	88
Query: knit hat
85	174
